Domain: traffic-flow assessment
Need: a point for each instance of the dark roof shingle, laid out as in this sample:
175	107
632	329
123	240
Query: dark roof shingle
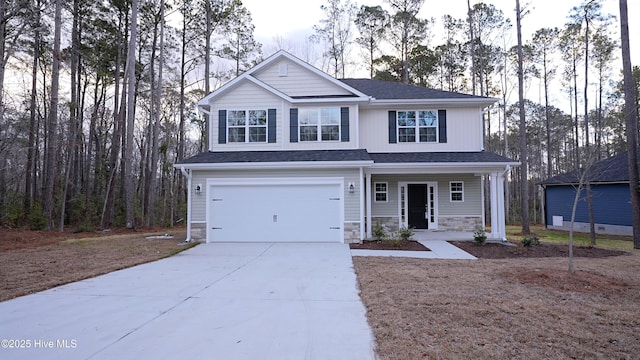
223	157
440	157
613	169
277	156
380	89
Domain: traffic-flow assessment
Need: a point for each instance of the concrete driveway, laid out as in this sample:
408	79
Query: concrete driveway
215	301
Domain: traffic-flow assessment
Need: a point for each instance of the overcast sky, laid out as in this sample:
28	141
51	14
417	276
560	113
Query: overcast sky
292	20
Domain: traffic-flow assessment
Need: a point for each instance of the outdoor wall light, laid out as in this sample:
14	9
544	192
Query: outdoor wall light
352	188
198	189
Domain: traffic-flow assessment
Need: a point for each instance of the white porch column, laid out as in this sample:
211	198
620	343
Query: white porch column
502	229
362	206
367	201
495	227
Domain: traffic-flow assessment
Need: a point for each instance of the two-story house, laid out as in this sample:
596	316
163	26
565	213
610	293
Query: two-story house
296	155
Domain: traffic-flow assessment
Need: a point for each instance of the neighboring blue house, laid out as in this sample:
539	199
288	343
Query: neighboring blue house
611	199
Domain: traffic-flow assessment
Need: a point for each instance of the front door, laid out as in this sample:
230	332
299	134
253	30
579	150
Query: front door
418	205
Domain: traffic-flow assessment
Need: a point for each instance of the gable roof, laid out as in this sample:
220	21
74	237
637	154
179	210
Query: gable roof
612	170
359	90
249	75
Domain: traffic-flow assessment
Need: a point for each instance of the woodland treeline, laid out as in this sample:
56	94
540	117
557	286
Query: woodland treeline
97	98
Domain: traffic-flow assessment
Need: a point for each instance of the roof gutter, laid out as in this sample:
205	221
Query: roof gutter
275	165
434	102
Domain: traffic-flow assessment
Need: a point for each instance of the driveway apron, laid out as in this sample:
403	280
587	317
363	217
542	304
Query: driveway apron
215	301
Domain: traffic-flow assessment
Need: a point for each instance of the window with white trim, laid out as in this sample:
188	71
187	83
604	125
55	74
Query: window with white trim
417	126
456	191
247	126
381	191
319	124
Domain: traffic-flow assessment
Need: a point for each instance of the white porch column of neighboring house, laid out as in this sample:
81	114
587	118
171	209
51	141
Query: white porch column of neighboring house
367	201
498	228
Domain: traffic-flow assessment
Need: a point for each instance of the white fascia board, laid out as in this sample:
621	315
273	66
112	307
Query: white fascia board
438	168
345	100
221	90
206	101
388	103
276	165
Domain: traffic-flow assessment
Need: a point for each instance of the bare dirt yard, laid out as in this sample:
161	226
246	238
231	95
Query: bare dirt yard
32	261
510	304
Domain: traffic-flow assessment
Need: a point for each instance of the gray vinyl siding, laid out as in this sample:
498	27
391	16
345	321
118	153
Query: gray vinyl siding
472	204
464	131
351	201
298	81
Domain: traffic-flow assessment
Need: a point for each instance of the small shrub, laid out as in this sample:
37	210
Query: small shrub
37	219
530	240
378	232
405	233
393	239
479	235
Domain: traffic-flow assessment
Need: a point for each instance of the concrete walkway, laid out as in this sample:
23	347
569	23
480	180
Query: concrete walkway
215	301
439	250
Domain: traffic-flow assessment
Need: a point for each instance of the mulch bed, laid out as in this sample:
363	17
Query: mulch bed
543	250
389	245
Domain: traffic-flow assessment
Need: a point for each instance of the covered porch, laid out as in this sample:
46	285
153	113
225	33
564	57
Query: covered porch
439	195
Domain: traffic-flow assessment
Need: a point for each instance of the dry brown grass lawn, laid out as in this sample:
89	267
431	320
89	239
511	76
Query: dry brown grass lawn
32	261
503	309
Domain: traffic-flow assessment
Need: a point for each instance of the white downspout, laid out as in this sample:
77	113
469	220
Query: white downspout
187	174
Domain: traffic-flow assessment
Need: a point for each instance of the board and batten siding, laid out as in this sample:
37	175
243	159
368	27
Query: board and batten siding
351	201
471	206
298	81
611	204
464	131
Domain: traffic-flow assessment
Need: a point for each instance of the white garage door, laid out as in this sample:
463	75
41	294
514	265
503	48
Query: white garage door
275	213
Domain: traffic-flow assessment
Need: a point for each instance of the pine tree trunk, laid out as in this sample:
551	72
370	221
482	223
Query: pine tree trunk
31	145
631	114
524	188
128	145
51	155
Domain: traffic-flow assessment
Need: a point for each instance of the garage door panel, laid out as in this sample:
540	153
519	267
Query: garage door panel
273	213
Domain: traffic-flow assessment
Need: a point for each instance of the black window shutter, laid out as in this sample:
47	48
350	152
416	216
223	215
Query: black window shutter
271	125
293	125
392	128
442	126
222	126
344	124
